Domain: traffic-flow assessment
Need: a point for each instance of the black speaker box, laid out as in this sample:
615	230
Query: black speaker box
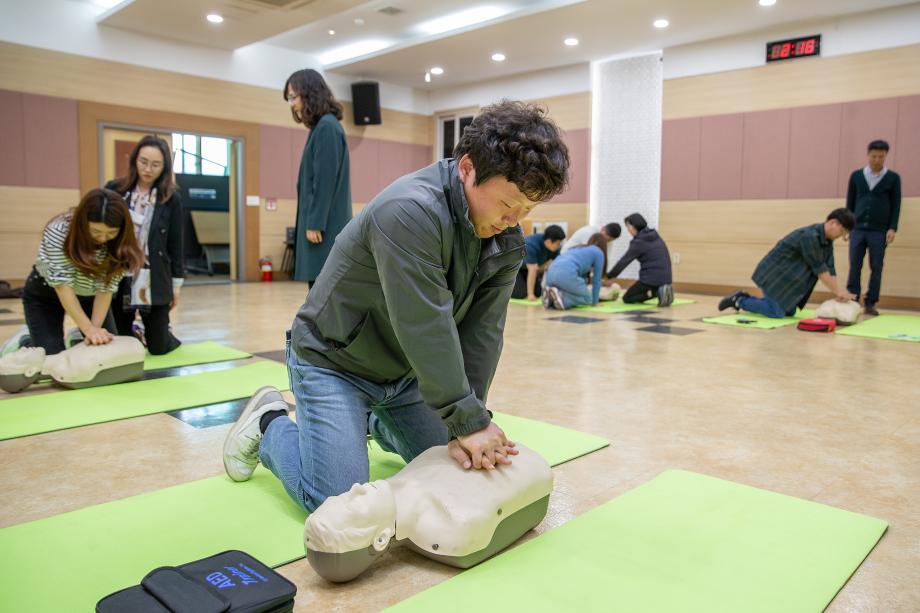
365	101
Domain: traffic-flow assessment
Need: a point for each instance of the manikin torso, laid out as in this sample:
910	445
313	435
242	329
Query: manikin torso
434	506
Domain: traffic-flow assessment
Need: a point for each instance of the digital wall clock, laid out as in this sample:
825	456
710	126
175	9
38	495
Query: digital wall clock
793	48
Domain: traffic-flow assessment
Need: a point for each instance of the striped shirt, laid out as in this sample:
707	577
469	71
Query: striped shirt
58	269
789	272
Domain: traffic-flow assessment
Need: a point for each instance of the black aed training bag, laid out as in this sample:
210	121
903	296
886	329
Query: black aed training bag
230	582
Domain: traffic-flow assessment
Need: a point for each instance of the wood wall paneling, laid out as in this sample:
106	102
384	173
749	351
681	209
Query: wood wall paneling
25	211
843	78
907	144
52	73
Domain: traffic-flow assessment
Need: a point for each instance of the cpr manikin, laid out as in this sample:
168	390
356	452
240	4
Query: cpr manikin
844	312
610	292
82	365
444	512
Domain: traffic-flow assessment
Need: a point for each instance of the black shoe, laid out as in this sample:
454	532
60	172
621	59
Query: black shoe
871	310
732	300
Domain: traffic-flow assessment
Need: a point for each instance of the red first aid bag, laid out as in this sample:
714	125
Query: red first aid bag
817	325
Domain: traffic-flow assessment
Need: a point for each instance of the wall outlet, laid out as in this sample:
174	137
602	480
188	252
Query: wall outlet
675	257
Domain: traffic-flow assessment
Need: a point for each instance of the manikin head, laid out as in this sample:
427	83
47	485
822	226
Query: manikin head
347	532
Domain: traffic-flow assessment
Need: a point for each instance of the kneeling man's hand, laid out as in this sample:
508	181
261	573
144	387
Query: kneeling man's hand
486	448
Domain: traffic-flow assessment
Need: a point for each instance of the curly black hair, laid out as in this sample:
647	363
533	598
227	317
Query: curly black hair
316	96
517	141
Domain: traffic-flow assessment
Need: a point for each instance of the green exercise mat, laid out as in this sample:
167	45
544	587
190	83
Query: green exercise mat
681	542
194	353
70	561
58	411
889	327
618	306
525	302
744	319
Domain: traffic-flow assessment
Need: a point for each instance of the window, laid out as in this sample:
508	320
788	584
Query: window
201	155
450	130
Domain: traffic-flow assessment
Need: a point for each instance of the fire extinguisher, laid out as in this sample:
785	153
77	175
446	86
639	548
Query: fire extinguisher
266	265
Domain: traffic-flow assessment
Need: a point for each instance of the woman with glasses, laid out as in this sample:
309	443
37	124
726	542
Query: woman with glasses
323	187
149	189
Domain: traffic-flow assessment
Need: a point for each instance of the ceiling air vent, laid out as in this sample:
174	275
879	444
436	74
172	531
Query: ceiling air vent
390	10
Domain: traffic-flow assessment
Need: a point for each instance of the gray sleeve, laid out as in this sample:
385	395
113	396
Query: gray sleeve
482	329
406	241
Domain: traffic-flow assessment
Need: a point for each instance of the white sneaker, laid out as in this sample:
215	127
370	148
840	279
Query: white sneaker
555	297
15	342
241	447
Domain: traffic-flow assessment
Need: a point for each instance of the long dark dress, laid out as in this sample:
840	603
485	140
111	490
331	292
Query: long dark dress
323	195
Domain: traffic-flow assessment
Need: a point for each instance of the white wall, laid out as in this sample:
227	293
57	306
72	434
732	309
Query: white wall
70	27
525	86
858	33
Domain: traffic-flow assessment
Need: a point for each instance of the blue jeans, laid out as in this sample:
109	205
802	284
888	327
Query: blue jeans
574	288
874	241
325	452
764	306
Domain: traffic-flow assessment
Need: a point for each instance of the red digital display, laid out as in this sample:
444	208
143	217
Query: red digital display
796	47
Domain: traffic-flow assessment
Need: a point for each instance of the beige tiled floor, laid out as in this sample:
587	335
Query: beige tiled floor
831	419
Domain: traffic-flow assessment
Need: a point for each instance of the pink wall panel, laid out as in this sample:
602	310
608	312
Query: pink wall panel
814	147
907	145
764	158
51	151
579	144
863	122
364	168
680	159
275	179
12	139
720	157
298	140
394	160
422	156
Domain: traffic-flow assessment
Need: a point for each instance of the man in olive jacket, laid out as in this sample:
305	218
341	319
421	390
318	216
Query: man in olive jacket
400	335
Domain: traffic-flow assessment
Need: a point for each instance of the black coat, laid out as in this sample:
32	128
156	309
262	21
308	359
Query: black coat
654	260
165	246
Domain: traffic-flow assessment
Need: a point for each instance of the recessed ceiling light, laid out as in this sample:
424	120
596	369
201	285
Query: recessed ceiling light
215	18
767	2
570	42
427	77
359	21
437	70
498	57
661	23
331	32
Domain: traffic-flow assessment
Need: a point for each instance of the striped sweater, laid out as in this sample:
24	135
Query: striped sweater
58	269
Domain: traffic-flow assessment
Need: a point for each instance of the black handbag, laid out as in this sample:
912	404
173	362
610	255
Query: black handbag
229	582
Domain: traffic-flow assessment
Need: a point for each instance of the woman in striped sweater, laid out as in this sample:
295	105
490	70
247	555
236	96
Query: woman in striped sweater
82	257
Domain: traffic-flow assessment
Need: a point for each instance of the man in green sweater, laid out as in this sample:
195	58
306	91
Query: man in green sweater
400	335
874	197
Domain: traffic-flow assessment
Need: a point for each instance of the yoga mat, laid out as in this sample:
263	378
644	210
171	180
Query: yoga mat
618	306
681	542
194	353
526	302
70	561
760	322
888	327
50	412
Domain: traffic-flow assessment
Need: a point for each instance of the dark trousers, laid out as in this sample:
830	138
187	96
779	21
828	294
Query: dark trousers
860	241
640	292
156	321
520	284
45	314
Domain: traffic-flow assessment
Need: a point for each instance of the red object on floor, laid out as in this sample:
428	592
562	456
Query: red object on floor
266	265
817	325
